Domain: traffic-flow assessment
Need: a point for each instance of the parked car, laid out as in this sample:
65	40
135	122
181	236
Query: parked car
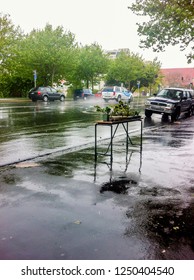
83	93
170	102
116	93
45	94
192	96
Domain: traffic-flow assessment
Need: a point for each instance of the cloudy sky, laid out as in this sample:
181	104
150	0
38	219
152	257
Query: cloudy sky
107	22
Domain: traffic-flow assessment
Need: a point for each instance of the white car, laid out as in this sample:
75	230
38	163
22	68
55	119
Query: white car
116	93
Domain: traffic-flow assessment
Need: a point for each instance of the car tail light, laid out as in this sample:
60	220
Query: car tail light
39	93
82	94
114	93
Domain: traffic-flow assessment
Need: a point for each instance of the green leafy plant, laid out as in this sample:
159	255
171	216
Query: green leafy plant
123	109
120	109
104	110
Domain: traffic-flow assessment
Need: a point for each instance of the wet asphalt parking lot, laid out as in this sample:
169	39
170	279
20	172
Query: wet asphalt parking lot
56	203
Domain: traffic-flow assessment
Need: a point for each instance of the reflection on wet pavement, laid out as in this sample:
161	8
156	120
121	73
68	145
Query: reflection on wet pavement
117	186
31	131
169	227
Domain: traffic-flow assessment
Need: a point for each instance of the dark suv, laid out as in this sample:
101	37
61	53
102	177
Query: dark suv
170	102
45	94
83	93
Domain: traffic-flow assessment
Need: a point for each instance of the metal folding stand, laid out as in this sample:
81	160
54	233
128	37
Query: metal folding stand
114	124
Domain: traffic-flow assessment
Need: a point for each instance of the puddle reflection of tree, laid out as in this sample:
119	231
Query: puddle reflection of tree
168	225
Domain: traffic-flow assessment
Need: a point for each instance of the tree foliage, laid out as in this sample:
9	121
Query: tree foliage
129	68
170	22
55	55
9	36
126	67
92	64
49	52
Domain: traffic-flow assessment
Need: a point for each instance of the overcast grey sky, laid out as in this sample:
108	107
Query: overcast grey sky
107	22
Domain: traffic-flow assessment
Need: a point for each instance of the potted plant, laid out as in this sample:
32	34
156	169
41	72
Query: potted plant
105	112
123	110
118	111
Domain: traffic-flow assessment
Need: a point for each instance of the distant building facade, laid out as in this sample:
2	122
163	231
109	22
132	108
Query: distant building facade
114	53
178	77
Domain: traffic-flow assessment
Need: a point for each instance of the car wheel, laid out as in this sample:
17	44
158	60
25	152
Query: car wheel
148	113
62	98
175	116
190	112
164	117
106	100
119	98
45	98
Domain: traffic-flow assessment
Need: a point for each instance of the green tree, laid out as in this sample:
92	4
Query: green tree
49	52
9	38
170	22
151	77
92	64
130	69
126	68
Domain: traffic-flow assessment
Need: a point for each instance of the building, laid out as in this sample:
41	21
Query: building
178	77
114	53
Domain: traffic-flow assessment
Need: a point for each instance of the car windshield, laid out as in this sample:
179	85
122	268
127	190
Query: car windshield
108	89
87	91
41	88
170	93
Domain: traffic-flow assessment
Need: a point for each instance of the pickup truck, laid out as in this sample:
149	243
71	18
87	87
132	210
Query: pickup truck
170	102
192	96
